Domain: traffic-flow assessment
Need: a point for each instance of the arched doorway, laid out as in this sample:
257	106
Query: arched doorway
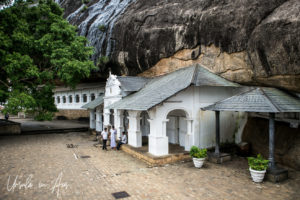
145	127
177	127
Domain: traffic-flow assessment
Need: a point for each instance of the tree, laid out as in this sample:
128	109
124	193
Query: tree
38	48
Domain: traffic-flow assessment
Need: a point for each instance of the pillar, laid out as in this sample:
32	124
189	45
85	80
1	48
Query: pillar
106	117
217	148
92	119
189	134
271	141
134	132
118	117
158	140
99	124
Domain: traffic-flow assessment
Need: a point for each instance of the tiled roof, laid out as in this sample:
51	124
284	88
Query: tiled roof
132	83
160	88
203	77
81	86
93	104
259	99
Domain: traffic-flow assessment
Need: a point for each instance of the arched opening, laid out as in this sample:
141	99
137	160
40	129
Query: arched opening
145	127
92	97
77	98
70	99
58	99
84	98
176	128
64	99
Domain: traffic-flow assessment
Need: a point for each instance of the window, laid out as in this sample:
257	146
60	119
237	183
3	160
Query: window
70	99
58	99
84	98
92	97
77	98
64	99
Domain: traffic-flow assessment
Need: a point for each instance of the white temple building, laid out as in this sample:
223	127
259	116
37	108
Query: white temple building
167	109
69	101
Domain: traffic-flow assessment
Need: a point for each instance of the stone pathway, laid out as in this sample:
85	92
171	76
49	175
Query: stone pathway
44	168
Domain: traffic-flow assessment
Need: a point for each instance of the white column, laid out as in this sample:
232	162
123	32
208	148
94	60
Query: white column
158	140
189	134
99	125
134	132
92	119
106	117
118	117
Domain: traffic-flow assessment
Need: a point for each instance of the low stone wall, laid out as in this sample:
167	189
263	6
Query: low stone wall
72	114
9	127
154	160
287	141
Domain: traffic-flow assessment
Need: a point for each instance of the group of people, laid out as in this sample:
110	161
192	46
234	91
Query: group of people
113	134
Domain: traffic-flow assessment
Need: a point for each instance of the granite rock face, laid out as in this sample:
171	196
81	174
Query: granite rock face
249	41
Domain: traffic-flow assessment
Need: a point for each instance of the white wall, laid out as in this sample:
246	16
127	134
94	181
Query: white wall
202	130
80	92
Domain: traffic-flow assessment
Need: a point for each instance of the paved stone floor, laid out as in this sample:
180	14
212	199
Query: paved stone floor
42	167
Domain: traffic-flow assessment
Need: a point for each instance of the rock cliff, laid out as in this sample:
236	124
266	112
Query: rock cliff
246	41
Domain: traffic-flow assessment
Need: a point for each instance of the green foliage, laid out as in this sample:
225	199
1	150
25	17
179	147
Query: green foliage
103	60
41	116
195	152
85	1
258	163
84	8
102	28
37	48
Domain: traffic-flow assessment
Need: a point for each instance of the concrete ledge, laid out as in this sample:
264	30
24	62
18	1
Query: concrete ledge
277	175
219	159
9	127
155	160
56	131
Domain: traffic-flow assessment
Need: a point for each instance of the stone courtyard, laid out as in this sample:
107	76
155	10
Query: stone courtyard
42	167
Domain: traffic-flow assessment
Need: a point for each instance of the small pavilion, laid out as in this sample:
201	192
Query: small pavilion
262	100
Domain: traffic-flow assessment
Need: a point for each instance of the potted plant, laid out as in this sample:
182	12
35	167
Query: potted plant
257	168
198	156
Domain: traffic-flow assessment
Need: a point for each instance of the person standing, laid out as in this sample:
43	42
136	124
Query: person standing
123	140
6	116
104	135
113	137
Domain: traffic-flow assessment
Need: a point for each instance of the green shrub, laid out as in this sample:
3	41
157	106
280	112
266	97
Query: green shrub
41	116
258	163
102	28
103	60
85	1
195	152
84	8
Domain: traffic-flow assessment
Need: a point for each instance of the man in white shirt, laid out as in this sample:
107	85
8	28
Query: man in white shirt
123	140
104	135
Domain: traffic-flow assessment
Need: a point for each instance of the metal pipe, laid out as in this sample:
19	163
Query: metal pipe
271	140
217	148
